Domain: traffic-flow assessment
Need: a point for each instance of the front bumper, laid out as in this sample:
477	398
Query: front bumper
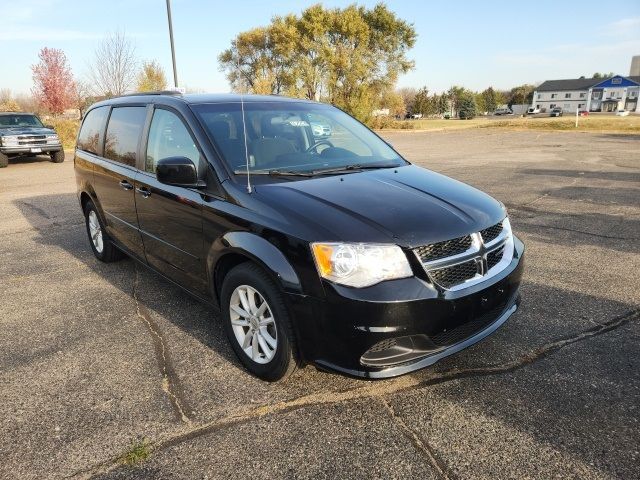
400	326
30	149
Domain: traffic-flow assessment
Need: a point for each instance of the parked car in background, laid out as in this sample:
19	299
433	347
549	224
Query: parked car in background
556	112
503	111
335	252
533	111
320	130
24	134
583	113
622	113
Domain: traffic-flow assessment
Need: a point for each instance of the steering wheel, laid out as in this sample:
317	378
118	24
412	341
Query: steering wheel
317	144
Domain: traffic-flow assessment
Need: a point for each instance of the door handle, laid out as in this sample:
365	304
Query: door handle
126	185
144	191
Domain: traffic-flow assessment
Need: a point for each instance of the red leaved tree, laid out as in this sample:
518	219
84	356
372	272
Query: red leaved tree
54	86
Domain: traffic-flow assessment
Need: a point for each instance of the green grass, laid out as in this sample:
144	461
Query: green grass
593	123
138	453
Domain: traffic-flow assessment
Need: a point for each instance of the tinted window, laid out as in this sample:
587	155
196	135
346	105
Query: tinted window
123	133
168	137
90	137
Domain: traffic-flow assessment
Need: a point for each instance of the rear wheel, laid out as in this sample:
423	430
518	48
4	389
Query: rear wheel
4	160
257	323
99	239
57	157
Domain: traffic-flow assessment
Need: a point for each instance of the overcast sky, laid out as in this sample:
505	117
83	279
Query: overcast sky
469	43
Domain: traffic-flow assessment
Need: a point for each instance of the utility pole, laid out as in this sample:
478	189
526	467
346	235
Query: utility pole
173	50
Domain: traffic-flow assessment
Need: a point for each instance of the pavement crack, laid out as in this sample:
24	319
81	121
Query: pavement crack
170	382
419	443
369	390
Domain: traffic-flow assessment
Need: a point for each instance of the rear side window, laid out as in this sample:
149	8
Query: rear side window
123	134
90	137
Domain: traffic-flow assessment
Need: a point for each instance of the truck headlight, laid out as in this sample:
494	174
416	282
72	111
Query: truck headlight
360	264
53	139
9	141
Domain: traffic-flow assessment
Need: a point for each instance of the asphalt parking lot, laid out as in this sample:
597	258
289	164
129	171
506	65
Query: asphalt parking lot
97	361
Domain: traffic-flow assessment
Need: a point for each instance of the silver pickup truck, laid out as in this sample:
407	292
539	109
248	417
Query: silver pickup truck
24	134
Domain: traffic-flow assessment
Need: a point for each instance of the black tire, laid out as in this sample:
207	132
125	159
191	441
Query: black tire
4	160
109	252
57	157
284	361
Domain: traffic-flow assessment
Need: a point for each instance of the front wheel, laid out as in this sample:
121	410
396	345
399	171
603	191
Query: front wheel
257	323
57	157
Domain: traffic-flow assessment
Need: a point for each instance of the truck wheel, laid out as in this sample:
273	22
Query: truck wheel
99	239
57	157
4	160
257	323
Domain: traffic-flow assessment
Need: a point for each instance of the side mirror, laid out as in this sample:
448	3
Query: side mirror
178	171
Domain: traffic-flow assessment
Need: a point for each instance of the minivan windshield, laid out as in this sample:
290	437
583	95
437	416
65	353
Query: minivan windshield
293	138
19	120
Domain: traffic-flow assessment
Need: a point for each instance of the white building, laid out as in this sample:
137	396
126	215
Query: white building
591	94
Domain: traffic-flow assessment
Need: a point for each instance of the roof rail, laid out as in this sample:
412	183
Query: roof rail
157	92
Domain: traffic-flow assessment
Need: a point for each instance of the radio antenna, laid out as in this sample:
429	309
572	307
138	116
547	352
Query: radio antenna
246	148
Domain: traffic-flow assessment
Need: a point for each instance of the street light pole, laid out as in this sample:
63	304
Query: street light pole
173	50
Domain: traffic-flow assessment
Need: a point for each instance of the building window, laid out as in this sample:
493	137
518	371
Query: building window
580	106
553	105
554	95
567	95
539	96
633	93
583	94
616	81
596	95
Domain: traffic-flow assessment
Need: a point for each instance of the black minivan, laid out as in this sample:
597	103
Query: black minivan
327	249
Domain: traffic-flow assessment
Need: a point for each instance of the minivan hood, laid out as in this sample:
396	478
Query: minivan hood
26	131
408	205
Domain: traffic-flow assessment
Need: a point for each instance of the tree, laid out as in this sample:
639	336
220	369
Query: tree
54	87
113	69
408	95
350	57
421	102
491	99
603	75
151	77
522	94
467	106
83	98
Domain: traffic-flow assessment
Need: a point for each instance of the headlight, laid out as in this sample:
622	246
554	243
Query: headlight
53	139
360	264
9	141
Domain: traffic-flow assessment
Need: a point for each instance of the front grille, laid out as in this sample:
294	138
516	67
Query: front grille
32	142
494	257
491	233
449	276
465	261
448	248
32	137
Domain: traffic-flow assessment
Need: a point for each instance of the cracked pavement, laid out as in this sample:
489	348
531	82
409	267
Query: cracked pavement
96	358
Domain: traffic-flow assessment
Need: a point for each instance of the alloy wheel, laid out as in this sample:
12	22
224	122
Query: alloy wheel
95	231
253	324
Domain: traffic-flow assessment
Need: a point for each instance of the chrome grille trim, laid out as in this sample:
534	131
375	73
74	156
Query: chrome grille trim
490	259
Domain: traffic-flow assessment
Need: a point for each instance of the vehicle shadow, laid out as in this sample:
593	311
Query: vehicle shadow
29	159
59	222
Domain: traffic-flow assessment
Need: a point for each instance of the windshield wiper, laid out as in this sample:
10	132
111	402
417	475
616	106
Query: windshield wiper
350	168
275	173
